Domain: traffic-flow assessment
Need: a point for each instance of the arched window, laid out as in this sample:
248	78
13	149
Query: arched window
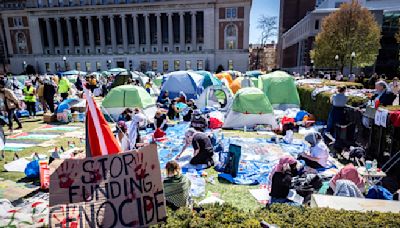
231	37
21	43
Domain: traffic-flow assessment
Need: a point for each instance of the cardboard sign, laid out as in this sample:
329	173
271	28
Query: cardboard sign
122	190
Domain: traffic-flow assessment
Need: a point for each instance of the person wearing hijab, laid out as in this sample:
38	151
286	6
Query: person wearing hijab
30	98
349	172
319	152
176	186
383	95
281	179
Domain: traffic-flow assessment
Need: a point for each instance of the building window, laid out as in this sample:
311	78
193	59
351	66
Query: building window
18	22
165	49
57	67
177	49
21	43
188	48
188	65
88	66
231	13
230	64
154	65
78	66
177	64
165	66
200	48
154	49
231	37
98	66
316	25
200	65
47	67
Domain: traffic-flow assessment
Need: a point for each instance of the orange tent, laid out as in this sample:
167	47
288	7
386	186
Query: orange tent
225	75
236	85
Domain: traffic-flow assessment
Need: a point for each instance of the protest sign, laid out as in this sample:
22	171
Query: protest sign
117	190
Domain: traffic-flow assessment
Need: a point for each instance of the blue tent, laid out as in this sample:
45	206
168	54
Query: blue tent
209	79
188	82
254	73
67	104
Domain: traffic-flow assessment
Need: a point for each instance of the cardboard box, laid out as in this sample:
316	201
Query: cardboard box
49	118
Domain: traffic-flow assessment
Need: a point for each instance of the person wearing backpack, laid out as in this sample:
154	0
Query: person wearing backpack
10	104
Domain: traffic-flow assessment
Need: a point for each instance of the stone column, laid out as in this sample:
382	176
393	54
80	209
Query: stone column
92	42
147	28
102	35
182	30
60	36
159	34
170	33
80	35
124	33
70	36
194	33
136	32
49	36
113	37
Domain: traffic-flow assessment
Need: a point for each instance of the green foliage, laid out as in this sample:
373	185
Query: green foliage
280	214
321	106
350	29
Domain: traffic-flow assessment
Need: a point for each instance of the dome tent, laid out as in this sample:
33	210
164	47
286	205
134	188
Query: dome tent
128	96
188	82
214	96
241	82
281	90
249	107
209	79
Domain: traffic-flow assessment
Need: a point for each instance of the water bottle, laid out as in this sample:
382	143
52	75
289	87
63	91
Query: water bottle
374	165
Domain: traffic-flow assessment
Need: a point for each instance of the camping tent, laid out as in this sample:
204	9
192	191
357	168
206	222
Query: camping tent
214	96
225	75
254	73
209	79
128	96
249	107
234	73
69	103
121	78
280	88
241	82
72	75
188	82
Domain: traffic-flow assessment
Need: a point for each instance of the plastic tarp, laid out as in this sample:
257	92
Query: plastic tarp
280	88
68	103
209	79
186	81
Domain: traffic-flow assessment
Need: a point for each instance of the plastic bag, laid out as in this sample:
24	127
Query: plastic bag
32	170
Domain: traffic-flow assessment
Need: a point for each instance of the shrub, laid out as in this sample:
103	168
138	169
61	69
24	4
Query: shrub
280	214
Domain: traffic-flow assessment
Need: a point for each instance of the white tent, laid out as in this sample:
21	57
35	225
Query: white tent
213	96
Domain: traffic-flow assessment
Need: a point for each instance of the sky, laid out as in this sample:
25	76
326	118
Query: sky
261	7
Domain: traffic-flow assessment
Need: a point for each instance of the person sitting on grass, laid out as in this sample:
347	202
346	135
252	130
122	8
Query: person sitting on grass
202	146
349	172
198	121
319	152
124	115
160	120
176	186
173	111
281	180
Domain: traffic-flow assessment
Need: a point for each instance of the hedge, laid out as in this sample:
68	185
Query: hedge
279	214
321	106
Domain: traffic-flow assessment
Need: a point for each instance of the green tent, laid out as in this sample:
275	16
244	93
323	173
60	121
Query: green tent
251	101
280	88
127	96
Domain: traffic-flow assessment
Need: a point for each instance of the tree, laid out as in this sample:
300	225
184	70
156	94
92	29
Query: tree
350	29
268	28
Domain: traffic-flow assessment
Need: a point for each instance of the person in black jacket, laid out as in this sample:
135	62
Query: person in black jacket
49	91
281	182
383	94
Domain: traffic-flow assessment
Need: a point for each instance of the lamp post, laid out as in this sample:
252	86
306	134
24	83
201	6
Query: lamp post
65	63
337	62
24	66
353	55
109	64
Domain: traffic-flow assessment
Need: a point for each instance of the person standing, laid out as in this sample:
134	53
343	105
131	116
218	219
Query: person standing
337	113
30	99
11	103
40	90
63	87
49	91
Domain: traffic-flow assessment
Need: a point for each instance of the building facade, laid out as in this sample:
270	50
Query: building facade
94	35
297	42
262	57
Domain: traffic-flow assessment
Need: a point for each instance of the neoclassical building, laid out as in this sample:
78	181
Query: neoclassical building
158	35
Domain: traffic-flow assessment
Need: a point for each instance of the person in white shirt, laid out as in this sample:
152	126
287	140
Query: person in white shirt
122	136
395	88
319	152
138	120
